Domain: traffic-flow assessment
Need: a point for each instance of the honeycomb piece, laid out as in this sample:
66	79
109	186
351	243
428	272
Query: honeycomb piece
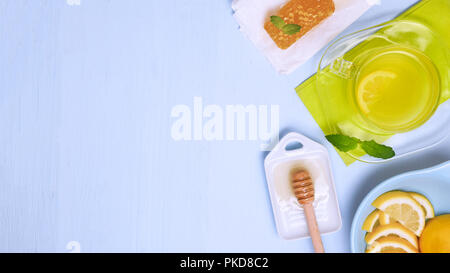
305	13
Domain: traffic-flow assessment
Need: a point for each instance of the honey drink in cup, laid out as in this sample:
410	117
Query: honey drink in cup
395	89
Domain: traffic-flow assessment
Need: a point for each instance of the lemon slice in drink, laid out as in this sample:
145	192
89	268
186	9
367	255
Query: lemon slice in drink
395	229
402	207
372	87
374	219
391	244
425	203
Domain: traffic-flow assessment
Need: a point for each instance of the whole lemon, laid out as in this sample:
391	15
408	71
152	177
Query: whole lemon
435	237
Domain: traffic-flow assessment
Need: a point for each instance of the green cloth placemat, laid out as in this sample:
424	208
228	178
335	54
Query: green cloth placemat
434	13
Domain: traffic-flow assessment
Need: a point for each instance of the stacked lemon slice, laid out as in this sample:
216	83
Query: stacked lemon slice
397	222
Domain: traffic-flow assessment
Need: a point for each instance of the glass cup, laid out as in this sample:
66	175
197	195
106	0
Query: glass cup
387	83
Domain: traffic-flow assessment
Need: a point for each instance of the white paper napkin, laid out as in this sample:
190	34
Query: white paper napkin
252	14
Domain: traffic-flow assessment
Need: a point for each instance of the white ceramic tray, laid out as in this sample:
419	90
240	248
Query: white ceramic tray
279	164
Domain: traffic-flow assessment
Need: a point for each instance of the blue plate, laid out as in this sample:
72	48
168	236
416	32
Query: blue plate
434	183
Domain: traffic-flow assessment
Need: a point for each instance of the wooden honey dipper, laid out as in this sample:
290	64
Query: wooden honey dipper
304	191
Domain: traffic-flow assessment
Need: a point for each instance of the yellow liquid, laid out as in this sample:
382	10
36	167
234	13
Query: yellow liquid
397	89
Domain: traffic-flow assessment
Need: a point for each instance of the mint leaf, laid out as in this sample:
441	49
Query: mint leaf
277	21
286	28
377	150
343	143
291	29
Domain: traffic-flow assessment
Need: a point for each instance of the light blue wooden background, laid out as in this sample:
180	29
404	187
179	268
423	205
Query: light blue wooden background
85	148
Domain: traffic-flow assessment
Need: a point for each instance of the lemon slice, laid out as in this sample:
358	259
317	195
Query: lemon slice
375	218
425	203
402	207
391	244
371	220
371	88
385	219
392	229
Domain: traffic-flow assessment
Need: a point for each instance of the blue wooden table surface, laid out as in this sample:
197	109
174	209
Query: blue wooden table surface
87	159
